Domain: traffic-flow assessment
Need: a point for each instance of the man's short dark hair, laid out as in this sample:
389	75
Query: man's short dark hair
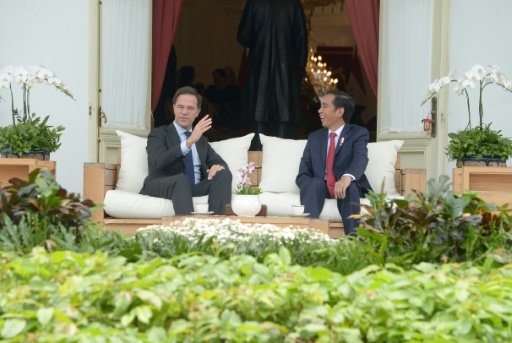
342	99
188	90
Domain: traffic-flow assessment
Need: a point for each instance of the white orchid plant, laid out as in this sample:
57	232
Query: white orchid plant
476	76
244	184
27	78
29	133
479	143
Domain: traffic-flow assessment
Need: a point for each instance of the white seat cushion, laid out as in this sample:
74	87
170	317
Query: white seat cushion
281	160
122	204
280	164
279	204
234	152
134	162
134	158
381	165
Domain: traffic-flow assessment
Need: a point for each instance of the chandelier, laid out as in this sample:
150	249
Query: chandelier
311	4
319	75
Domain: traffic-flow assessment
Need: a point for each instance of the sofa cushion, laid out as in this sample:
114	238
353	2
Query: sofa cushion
123	204
234	152
281	160
134	158
134	162
280	164
381	165
280	204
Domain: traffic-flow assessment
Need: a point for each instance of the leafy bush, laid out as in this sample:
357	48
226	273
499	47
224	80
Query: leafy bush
479	142
31	211
436	226
72	297
30	135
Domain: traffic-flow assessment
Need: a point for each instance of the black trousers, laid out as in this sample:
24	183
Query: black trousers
178	189
313	193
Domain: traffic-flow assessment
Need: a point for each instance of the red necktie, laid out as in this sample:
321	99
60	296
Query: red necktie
329	165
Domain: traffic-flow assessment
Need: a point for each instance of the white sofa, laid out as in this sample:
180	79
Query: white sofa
117	186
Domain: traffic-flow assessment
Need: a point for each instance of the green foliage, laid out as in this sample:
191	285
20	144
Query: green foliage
33	134
32	211
226	240
253	190
436	226
479	142
71	297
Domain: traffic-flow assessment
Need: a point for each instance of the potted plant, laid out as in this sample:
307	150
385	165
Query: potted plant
478	145
29	135
246	201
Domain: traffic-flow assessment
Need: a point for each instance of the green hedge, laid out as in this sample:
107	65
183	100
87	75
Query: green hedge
72	297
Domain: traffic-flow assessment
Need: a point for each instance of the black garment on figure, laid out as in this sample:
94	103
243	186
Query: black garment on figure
275	33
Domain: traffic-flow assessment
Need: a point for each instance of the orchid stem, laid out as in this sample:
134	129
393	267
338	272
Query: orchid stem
469	108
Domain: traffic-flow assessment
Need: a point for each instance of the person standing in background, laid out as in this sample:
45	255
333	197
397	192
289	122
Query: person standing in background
275	33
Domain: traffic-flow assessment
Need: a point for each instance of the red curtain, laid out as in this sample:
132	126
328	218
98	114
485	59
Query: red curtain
165	21
364	17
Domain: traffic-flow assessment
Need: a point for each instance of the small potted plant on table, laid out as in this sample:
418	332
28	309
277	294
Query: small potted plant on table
246	201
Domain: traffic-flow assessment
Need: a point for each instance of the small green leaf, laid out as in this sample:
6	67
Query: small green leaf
285	256
13	327
44	315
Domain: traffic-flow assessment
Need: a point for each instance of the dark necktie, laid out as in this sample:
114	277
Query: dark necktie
329	165
189	163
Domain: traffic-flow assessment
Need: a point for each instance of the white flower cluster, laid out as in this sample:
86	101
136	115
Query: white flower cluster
476	75
233	231
243	176
28	77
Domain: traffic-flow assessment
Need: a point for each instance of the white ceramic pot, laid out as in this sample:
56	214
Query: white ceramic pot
245	205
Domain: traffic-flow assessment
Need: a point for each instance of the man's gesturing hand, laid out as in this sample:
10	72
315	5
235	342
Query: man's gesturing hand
201	127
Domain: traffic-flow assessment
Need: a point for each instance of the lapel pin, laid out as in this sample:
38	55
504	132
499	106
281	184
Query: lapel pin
342	139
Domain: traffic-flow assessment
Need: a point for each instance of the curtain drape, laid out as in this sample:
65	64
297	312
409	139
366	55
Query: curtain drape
406	62
125	62
364	18
166	14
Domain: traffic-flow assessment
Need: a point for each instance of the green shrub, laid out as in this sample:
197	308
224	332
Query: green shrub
71	297
33	134
436	226
32	211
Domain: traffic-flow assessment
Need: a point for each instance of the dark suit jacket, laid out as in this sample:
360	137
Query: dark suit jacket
351	156
165	157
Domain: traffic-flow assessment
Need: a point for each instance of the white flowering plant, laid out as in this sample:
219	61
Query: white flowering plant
478	142
476	76
226	237
244	185
29	132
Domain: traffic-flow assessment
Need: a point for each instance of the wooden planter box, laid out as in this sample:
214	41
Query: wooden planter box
21	167
493	184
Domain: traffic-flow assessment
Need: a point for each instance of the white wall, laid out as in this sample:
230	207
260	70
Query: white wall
480	34
53	33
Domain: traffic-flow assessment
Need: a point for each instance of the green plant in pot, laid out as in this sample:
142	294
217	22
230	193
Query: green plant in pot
476	145
29	135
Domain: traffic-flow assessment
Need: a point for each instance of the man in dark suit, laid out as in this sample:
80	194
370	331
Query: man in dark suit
334	161
182	164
